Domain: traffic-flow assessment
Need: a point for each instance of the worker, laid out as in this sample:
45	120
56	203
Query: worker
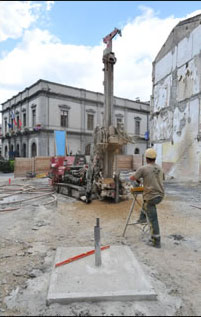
153	194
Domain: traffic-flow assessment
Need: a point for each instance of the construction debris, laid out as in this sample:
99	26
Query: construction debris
27	251
9	195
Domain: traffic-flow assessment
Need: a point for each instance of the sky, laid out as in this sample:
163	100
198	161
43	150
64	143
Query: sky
62	41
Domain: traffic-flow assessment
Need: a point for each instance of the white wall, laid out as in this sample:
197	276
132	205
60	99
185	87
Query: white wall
176	126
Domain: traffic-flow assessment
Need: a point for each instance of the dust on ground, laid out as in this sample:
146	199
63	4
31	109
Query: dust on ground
30	236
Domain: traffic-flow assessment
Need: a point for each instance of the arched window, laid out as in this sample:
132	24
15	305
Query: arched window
87	149
11	154
6	151
24	150
33	150
18	150
137	151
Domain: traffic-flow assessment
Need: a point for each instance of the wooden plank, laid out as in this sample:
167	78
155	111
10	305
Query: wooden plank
22	166
123	162
38	165
42	164
137	161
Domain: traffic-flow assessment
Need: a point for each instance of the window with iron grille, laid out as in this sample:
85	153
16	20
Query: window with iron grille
64	118
90	122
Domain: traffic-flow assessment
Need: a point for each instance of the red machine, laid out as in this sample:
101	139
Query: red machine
63	166
58	166
70	176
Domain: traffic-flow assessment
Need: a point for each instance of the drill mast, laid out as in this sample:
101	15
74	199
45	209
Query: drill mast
109	60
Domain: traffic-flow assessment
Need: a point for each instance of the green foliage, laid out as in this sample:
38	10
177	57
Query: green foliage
7	166
12	165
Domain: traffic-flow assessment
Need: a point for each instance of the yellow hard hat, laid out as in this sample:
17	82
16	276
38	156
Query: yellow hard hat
150	153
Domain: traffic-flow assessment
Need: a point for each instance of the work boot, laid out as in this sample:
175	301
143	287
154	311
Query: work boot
142	219
154	243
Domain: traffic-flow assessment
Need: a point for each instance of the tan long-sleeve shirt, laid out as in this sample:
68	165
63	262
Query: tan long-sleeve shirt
153	177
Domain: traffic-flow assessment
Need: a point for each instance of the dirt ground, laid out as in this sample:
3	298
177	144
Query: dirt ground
30	236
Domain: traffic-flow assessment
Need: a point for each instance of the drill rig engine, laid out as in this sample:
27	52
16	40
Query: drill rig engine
69	175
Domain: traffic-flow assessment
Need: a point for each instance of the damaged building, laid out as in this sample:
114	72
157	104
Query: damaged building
30	118
175	118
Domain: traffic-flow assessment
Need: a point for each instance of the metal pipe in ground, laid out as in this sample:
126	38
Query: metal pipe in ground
97	243
117	187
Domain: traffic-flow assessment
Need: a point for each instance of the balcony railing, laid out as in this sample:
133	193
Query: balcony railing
21	131
144	136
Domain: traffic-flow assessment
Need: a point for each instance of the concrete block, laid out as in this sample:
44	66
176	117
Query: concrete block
119	278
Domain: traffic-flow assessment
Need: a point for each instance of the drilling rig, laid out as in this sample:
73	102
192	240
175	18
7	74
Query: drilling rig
98	178
109	60
109	140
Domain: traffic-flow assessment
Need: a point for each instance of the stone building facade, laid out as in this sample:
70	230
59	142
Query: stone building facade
175	117
0	140
30	118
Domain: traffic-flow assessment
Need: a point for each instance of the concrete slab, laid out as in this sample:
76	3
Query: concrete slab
119	278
